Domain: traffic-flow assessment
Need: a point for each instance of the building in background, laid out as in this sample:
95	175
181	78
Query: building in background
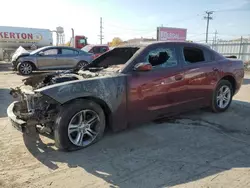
139	40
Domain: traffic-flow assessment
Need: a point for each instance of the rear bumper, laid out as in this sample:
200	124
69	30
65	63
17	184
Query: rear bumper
15	121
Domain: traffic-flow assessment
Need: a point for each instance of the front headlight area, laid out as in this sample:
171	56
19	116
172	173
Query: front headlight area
36	106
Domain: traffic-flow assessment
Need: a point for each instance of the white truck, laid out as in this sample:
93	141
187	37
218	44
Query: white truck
29	38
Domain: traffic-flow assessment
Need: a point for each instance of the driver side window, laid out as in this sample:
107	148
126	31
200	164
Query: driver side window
162	57
51	52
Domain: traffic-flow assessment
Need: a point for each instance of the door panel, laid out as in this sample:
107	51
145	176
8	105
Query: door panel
201	78
158	92
68	58
48	60
153	94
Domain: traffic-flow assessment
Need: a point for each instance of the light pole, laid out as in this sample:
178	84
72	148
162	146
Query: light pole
73	37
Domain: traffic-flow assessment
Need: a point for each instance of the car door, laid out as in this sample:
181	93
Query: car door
47	60
201	73
158	92
68	58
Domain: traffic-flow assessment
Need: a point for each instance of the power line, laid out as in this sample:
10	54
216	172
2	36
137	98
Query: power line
128	29
186	19
233	10
208	17
151	30
195	35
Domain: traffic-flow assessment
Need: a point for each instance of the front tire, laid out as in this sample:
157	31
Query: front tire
25	68
222	96
78	125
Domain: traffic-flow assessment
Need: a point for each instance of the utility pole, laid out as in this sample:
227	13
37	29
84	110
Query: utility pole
73	37
101	32
208	17
215	36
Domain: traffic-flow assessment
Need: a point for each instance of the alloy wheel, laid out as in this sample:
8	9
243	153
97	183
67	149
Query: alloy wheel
25	68
83	128
81	65
223	97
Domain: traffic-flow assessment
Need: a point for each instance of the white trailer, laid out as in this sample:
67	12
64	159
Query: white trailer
29	38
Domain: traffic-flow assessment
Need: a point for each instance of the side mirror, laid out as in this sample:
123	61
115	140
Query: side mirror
143	67
41	53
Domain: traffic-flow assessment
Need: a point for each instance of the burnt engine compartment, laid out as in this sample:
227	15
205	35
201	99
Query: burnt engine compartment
39	81
42	80
50	80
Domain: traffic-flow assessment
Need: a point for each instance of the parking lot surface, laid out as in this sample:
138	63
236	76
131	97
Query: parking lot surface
197	149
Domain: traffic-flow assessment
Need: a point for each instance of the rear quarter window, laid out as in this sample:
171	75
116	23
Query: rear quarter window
193	55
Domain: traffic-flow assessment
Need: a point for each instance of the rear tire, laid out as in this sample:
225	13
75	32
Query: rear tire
81	64
222	96
67	138
25	68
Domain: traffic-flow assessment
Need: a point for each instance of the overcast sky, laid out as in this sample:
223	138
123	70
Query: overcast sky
129	18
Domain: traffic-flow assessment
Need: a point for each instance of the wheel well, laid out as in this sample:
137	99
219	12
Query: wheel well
231	79
103	105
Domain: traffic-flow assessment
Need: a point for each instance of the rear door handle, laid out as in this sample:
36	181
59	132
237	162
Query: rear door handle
178	77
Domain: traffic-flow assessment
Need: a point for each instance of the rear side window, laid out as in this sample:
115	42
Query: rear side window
96	50
103	49
69	52
99	49
193	55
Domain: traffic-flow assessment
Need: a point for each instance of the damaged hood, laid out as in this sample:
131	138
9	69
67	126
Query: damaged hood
46	79
101	86
19	52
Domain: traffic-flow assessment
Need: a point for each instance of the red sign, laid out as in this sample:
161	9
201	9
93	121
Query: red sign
171	34
11	35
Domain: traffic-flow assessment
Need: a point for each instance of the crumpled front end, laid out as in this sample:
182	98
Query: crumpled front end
32	109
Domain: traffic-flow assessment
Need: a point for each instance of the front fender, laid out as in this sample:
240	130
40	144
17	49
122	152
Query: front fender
109	89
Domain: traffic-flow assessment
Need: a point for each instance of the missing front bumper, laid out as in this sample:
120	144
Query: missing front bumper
17	123
14	65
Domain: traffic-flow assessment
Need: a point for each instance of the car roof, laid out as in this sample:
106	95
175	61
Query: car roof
145	44
98	45
68	47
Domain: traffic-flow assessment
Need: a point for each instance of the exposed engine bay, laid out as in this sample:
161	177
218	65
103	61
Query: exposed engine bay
37	109
47	79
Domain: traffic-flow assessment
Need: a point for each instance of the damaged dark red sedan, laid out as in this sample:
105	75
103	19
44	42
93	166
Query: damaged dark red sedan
125	86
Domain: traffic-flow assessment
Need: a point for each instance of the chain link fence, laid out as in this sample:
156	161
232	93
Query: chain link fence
239	48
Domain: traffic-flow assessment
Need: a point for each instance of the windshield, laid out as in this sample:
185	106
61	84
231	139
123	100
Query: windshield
86	48
37	50
115	57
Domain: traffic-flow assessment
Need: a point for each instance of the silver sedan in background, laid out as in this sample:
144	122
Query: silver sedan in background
51	58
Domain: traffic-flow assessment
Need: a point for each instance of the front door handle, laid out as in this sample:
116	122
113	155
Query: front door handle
178	77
